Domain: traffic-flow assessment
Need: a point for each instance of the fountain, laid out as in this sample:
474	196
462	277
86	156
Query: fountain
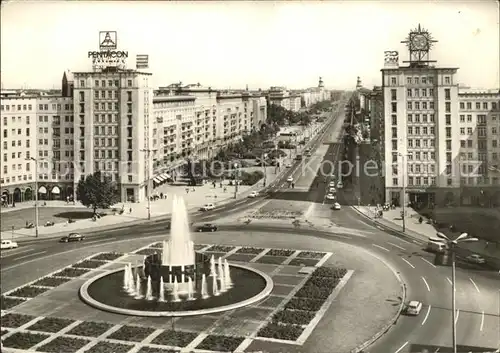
161	290
204	290
173	281
227	275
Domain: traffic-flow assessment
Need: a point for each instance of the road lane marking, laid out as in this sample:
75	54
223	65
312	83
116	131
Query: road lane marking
7	253
482	321
99	241
456	316
397	246
401	348
449	281
381	247
426	315
29	255
475	285
408	262
430	263
426	284
437	350
379	227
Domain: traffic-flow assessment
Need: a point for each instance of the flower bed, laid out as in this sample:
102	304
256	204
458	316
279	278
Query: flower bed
156	350
220	248
200	246
132	333
220	343
63	344
13	320
248	250
23	340
90	329
281	331
149	251
175	338
71	272
7	303
295	317
109	347
157	245
28	292
51	281
311	254
89	264
280	252
310	290
272	260
304	304
107	256
303	262
50	324
329	272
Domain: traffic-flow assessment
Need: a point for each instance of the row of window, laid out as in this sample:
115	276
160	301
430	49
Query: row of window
110	83
19	132
479	106
424	80
19	120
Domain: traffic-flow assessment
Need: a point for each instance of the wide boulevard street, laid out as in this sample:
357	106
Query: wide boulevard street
477	289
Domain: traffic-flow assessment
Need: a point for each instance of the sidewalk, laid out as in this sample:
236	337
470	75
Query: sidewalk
392	219
163	207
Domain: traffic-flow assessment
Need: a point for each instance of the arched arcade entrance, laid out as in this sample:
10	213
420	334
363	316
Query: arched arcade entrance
17	195
28	194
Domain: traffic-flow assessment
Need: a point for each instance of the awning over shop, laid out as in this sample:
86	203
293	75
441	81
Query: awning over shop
56	190
42	190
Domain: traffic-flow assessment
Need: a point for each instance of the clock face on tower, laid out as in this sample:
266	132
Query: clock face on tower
419	42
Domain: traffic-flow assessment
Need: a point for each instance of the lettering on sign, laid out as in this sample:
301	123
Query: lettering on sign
391	57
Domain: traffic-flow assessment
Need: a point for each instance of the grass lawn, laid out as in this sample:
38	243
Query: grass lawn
19	218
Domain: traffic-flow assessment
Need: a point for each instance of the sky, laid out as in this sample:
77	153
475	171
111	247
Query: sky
259	44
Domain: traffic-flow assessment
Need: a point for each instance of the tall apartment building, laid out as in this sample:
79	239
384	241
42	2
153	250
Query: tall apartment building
114	126
315	94
423	131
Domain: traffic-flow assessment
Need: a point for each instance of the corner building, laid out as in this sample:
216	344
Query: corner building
113	122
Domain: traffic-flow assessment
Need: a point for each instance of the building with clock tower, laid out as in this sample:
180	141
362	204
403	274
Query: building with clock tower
421	133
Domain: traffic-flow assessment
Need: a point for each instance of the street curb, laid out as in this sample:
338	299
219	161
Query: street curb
396	316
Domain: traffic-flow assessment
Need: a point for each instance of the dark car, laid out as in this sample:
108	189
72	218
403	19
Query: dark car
207	227
168	225
72	237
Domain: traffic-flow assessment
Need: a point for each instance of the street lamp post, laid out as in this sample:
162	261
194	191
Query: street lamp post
148	152
36	193
236	179
451	245
404	191
262	159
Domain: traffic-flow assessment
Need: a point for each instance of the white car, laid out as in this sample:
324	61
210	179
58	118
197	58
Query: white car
208	207
332	184
414	307
288	165
9	244
330	196
476	259
336	206
332	190
340	185
253	194
290	179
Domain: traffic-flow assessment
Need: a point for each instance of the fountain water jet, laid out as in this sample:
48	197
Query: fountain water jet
190	289
138	288
212	266
215	288
126	279
227	275
220	272
149	290
161	294
175	291
204	290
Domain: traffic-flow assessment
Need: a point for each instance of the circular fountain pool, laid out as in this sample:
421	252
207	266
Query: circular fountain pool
106	292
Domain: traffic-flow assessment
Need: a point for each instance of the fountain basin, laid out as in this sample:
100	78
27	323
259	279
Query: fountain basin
105	292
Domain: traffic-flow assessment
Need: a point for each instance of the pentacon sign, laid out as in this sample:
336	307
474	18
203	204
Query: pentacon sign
108	54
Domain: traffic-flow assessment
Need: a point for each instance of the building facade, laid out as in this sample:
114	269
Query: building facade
438	141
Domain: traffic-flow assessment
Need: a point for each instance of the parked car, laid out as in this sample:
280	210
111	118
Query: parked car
332	184
330	196
475	259
336	206
253	194
49	224
332	190
207	227
72	237
288	165
290	179
340	185
436	246
9	244
207	207
308	154
414	307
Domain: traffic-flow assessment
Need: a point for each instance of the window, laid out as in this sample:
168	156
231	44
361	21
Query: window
448	132
469	105
485	105
409	105
410	130
394	119
416	80
478	105
417	105
393	94
408	80
432	118
417	118
448	119
82	96
129	83
82	83
447	107
462	118
424	80
462	105
493	106
395	181
410	119
394	107
447	80
393	81
424	105
394	157
394	145
448	145
462	143
447	94
394	132
481	119
408	92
